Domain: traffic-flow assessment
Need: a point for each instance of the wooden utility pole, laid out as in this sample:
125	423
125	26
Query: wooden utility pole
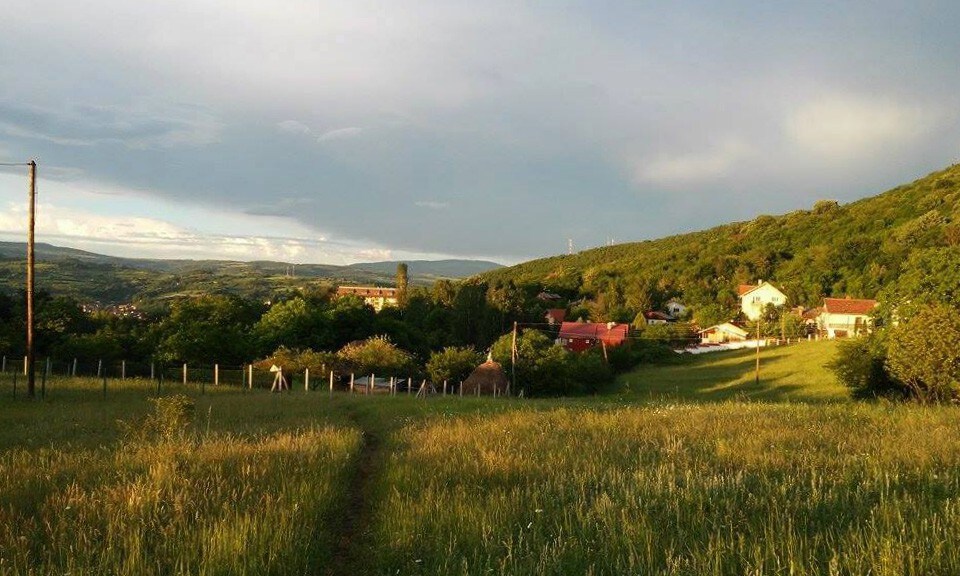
31	219
757	377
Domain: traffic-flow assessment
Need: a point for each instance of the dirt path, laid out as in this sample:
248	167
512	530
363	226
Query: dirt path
352	528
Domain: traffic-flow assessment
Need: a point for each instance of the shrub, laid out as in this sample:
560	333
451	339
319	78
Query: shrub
376	355
923	353
861	366
452	363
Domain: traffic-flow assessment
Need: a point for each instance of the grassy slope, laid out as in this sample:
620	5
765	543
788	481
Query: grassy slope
787	373
609	485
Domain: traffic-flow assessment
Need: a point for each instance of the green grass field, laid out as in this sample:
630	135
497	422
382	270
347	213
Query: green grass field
684	469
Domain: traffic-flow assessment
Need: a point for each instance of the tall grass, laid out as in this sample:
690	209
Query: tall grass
211	503
676	489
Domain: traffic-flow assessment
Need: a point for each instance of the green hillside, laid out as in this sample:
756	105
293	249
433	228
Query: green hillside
853	249
91	277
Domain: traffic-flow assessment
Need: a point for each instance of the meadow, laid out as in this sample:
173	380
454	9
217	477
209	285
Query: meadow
709	476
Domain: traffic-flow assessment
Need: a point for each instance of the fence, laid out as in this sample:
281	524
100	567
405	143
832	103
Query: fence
217	376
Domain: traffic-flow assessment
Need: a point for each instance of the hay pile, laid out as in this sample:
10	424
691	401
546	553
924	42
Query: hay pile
488	377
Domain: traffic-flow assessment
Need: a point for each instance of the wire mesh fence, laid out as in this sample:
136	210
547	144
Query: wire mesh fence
82	376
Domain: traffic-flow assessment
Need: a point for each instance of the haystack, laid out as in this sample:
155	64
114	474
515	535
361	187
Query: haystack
488	377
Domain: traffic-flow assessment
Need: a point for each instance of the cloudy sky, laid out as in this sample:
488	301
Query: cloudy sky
340	131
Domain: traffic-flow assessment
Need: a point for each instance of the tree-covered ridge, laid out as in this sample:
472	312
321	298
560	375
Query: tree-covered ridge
831	250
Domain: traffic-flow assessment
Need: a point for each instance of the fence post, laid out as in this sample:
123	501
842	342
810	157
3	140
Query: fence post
351	382
409	385
461	388
216	374
99	368
4	369
444	387
151	372
184	373
24	365
123	369
306	379
74	371
373	378
331	383
250	376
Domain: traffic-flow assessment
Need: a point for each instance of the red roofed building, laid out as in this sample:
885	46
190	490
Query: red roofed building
580	336
843	317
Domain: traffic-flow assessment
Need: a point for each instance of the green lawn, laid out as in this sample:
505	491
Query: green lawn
792	373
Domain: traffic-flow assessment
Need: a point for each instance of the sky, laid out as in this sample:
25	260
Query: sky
345	131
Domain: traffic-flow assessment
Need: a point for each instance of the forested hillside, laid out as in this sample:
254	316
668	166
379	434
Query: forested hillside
830	250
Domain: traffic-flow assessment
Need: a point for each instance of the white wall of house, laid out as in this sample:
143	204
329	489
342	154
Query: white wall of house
675	309
752	303
843	325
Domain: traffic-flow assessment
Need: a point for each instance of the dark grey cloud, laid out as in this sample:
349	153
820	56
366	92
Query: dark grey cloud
494	129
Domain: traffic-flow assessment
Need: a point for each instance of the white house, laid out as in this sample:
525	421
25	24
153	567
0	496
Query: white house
675	309
843	317
721	333
753	299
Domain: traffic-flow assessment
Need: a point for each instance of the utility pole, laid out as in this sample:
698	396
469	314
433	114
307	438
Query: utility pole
32	208
759	321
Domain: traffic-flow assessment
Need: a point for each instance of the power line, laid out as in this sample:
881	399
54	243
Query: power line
14	163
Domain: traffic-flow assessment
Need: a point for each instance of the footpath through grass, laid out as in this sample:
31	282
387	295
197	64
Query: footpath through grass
301	483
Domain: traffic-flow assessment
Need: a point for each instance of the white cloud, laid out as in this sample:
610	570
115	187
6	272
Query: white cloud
293	127
432	204
710	164
340	133
847	126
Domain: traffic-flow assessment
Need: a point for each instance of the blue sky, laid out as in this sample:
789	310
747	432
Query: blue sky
347	131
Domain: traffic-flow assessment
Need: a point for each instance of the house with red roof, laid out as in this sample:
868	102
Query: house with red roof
844	317
580	336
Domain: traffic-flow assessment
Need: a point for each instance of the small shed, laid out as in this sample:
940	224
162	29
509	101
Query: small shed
488	377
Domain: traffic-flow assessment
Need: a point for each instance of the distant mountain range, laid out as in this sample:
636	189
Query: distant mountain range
93	277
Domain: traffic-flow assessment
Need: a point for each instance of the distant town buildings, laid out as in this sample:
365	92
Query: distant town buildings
375	296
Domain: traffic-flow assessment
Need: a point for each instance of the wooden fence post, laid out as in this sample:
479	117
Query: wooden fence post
306	379
444	387
99	368
250	376
216	374
184	373
24	365
4	369
123	369
351	382
461	388
73	372
373	378
331	383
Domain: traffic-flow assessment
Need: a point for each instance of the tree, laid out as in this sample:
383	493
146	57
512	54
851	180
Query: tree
452	364
923	353
402	285
209	329
294	323
377	355
861	365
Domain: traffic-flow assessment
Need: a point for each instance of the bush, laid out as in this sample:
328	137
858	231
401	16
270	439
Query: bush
923	353
452	363
293	361
861	366
376	355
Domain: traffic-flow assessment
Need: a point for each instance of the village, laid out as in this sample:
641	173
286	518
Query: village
835	318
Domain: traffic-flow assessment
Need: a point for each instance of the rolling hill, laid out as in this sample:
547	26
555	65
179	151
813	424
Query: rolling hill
92	277
854	249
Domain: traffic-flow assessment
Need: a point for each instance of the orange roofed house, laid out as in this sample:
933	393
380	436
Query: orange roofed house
372	295
580	336
843	317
